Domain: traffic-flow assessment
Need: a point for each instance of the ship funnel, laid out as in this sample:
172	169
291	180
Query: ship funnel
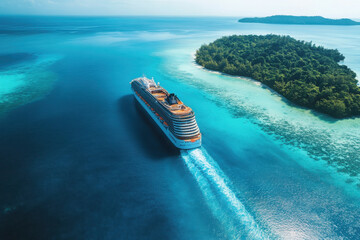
172	99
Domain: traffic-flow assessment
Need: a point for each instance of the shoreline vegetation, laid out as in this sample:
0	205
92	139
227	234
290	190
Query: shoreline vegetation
305	74
299	20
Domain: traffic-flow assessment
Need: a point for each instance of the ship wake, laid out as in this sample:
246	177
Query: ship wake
238	223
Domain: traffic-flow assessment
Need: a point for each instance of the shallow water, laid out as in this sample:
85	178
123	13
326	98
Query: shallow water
10	83
81	160
25	81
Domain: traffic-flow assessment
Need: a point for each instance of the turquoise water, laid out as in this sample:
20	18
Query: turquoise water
9	84
80	160
25	81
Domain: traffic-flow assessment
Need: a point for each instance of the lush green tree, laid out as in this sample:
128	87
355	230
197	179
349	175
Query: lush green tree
308	75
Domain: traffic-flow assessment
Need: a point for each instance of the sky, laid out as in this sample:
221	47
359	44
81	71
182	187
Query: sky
238	8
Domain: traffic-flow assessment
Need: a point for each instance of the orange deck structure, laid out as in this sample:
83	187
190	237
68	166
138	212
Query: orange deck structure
175	118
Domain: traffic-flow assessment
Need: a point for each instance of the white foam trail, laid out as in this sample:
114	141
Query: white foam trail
210	197
211	174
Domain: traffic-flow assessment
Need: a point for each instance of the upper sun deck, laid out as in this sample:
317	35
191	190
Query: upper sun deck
176	107
169	101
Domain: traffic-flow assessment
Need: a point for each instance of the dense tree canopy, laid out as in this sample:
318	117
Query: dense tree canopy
307	75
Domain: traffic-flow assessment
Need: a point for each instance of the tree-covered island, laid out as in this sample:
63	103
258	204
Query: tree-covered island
299	20
307	75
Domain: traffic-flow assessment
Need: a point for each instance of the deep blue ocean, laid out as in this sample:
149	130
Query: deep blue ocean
80	159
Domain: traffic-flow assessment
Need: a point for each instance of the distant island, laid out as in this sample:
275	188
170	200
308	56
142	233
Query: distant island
301	20
307	75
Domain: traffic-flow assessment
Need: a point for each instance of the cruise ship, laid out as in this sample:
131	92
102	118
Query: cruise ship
174	118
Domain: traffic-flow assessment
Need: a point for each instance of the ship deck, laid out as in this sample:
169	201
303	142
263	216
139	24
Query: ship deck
161	94
178	119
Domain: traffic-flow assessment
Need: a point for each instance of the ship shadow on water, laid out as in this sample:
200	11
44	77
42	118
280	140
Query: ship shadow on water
146	133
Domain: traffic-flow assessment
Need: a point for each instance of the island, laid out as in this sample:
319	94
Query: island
306	74
301	20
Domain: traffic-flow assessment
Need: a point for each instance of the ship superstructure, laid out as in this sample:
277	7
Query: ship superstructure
174	118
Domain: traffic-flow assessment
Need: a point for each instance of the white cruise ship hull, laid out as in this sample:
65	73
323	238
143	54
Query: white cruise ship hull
181	144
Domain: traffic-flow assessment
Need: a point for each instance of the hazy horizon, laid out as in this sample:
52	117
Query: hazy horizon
182	8
161	16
